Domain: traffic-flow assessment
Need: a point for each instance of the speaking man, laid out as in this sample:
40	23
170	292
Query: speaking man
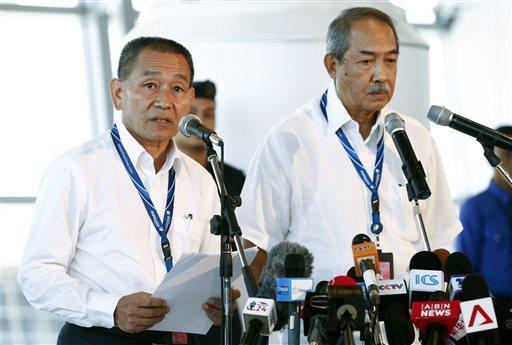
115	213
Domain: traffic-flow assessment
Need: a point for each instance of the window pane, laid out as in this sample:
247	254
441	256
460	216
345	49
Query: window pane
45	3
45	106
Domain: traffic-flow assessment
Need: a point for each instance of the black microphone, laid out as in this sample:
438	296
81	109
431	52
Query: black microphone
398	326
191	125
457	267
486	135
294	266
412	168
478	312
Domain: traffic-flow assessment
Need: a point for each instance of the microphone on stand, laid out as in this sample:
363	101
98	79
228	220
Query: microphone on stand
412	168
425	276
486	135
191	125
366	264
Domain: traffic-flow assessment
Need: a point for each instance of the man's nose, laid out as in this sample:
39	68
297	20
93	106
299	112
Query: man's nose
163	98
380	72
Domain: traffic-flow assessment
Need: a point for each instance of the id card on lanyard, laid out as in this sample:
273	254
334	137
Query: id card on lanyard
161	226
372	184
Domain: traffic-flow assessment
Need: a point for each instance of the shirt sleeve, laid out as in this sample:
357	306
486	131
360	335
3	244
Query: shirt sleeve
265	212
60	212
440	215
470	239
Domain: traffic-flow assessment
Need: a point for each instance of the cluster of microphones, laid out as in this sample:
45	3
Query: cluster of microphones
441	301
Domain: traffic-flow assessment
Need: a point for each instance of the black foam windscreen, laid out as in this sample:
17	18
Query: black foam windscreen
458	263
294	266
474	286
399	328
425	260
361	238
438	296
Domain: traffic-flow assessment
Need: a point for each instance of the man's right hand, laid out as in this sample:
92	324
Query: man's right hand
139	311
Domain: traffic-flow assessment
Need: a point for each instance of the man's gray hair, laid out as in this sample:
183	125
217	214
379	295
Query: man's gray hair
338	35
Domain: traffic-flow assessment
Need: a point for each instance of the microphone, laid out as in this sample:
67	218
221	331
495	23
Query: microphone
412	168
444	117
366	262
503	310
394	311
442	254
435	318
293	291
346	308
478	312
425	276
316	307
457	267
191	125
273	269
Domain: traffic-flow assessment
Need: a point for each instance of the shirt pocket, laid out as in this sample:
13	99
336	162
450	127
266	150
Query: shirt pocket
400	212
188	234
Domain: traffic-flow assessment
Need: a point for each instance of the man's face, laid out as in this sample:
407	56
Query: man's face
204	108
365	78
155	96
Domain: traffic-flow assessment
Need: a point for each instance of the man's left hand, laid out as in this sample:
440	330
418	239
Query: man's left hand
213	307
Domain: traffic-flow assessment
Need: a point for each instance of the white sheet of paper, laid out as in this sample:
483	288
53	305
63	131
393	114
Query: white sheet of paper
192	280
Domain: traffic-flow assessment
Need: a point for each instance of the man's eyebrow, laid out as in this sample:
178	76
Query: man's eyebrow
372	53
149	73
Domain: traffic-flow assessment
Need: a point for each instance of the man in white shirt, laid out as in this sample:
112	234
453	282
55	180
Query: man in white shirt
94	254
302	184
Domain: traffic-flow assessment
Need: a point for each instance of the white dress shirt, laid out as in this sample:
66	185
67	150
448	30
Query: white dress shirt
301	186
92	241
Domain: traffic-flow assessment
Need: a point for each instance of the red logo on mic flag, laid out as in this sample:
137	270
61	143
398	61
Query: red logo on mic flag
477	309
479	315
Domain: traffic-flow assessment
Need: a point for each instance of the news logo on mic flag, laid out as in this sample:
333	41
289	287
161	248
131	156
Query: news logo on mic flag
479	315
293	289
426	280
443	312
366	250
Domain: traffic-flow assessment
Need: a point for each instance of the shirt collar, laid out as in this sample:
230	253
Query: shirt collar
140	157
500	193
339	117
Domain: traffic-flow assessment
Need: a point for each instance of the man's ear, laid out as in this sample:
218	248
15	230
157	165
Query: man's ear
116	93
331	65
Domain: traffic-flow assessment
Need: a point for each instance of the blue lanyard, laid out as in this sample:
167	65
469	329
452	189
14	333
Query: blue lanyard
372	184
162	227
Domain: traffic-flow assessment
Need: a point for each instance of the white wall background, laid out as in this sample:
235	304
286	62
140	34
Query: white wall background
267	60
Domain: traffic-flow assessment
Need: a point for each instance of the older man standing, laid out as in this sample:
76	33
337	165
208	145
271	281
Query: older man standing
116	212
305	182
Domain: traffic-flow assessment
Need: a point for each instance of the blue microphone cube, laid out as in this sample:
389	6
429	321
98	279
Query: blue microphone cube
293	289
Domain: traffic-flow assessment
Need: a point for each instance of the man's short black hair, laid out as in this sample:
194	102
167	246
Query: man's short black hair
133	48
338	34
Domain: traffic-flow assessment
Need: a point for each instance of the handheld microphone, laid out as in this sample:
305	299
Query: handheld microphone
191	125
316	305
394	311
435	318
457	267
346	308
293	290
478	312
366	263
425	276
273	269
444	117
412	168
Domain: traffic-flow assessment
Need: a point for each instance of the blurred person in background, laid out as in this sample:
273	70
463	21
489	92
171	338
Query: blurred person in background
204	106
487	235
